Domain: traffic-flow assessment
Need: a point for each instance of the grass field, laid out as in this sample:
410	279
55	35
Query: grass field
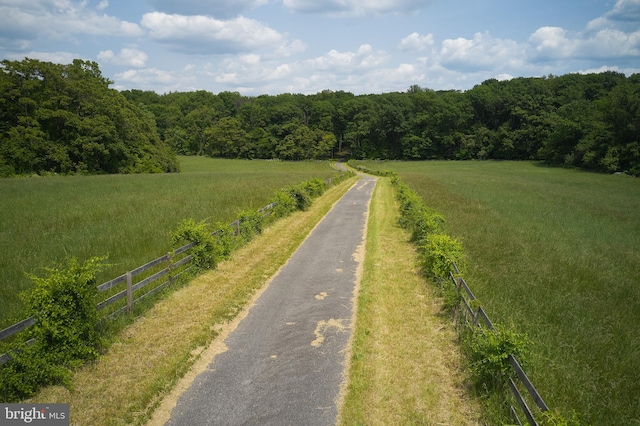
556	254
130	218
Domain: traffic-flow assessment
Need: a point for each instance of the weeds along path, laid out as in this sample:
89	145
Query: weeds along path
406	364
147	360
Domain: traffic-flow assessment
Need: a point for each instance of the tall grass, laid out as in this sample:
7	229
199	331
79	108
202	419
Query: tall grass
556	253
130	218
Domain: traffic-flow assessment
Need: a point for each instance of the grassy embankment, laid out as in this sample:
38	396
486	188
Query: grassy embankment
555	253
127	217
147	360
405	366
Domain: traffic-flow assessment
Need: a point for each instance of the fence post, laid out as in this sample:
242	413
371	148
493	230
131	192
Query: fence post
129	292
169	269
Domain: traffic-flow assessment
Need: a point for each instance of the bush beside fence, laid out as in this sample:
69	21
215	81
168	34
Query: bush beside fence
23	368
494	352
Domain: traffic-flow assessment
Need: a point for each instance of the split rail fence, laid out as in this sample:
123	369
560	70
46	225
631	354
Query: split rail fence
172	265
480	318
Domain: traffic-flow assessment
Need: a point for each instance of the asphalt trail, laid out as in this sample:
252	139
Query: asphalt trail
285	363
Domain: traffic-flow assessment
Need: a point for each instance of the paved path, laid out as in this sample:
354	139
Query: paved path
285	361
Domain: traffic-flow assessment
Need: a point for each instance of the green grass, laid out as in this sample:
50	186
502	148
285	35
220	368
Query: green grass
405	365
556	254
141	375
130	218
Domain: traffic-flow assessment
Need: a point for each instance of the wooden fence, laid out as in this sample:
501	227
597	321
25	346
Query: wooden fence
170	266
523	390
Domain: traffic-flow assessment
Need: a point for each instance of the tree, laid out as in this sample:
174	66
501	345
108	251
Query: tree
304	143
196	123
65	119
226	138
588	121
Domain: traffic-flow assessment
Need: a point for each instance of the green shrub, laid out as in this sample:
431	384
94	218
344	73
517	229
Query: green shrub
488	354
424	222
285	204
225	241
415	216
314	187
29	369
65	335
451	299
439	251
297	197
203	251
300	197
550	418
251	223
64	304
363	169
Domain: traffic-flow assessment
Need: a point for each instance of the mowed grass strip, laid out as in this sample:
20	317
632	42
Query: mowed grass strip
146	360
406	367
130	218
554	253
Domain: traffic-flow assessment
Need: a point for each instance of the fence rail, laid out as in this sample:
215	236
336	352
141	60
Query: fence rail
175	266
480	318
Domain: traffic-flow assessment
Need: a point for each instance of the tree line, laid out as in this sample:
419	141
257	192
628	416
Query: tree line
66	119
589	121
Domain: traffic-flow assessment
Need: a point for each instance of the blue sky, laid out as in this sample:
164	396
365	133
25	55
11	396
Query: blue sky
305	46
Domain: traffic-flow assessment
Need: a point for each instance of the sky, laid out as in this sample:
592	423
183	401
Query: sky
257	47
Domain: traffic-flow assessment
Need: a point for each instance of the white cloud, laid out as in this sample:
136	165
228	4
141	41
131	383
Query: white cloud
243	70
552	42
504	77
59	19
625	11
416	42
627	71
218	8
355	7
346	62
154	79
557	43
256	74
616	34
290	49
54	57
483	52
130	57
201	34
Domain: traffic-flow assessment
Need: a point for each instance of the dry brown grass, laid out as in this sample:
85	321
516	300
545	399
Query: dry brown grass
148	359
406	367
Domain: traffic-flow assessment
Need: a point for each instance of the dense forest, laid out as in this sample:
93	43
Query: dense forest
589	121
65	119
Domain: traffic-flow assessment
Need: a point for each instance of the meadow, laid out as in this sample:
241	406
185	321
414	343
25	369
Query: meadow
553	253
129	218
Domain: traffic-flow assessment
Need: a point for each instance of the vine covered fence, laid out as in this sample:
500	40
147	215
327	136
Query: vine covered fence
124	291
479	318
